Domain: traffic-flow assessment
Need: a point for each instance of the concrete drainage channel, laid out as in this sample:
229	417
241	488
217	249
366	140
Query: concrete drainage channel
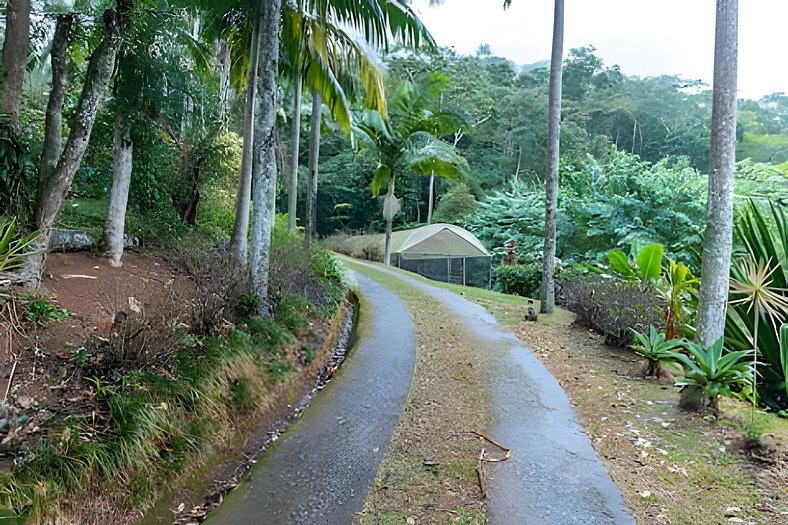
215	496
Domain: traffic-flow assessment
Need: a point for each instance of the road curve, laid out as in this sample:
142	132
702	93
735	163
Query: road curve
323	467
554	476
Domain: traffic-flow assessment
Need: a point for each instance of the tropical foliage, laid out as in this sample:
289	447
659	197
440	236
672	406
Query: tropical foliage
14	246
716	372
759	293
655	348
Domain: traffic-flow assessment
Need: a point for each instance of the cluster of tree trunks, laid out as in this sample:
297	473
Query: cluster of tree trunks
59	167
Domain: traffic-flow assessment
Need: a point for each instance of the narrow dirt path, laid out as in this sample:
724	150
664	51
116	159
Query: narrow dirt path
554	475
321	470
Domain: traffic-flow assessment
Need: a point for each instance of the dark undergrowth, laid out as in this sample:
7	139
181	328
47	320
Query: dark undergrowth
169	387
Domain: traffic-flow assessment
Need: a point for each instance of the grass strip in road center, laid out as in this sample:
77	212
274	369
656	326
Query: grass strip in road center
429	471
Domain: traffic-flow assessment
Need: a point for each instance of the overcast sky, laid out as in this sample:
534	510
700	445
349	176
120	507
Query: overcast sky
645	37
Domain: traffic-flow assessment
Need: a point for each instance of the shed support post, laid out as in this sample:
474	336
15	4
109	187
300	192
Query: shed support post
463	271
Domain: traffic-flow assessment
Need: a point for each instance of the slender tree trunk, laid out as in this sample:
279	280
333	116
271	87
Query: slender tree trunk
387	250
53	189
264	154
432	198
15	45
238	240
119	196
223	57
314	158
718	239
292	195
547	292
53	127
389	216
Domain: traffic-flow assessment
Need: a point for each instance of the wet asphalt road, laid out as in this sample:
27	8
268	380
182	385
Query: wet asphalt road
323	467
554	476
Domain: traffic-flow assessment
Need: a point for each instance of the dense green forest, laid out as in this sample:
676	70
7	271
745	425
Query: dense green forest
634	153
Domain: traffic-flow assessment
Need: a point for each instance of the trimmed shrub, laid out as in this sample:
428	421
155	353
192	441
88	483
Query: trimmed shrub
612	307
519	279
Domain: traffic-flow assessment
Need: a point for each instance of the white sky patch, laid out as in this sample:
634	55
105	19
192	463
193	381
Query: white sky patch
644	37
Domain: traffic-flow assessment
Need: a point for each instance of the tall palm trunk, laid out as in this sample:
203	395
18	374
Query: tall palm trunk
15	45
314	158
718	239
432	198
292	196
264	154
52	187
119	196
238	240
547	291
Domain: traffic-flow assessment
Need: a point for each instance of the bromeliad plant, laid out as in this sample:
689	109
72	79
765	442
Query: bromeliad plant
655	349
716	373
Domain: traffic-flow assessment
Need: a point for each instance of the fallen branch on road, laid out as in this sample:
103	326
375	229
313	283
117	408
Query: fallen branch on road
480	475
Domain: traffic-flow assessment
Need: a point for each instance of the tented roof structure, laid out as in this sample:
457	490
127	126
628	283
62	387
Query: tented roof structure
437	240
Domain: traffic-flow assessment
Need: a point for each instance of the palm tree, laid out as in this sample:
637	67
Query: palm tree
264	169
407	142
718	239
309	39
339	68
547	290
238	240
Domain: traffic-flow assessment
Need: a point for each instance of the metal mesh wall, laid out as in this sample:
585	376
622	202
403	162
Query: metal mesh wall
470	271
477	271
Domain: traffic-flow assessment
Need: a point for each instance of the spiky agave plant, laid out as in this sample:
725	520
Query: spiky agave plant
753	283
